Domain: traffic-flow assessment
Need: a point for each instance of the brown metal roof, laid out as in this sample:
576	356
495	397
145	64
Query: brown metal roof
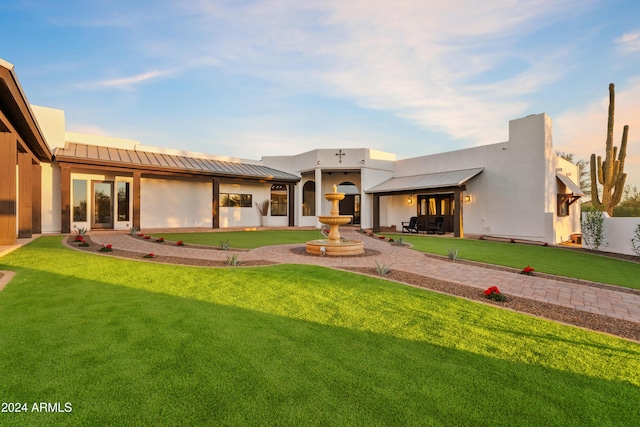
109	156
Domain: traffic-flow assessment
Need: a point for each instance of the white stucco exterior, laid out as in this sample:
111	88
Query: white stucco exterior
514	196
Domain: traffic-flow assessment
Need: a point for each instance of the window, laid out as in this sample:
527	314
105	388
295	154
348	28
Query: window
432	206
309	199
79	200
232	200
278	200
564	201
123	201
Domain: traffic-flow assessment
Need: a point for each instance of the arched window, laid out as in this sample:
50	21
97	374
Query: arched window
309	199
278	200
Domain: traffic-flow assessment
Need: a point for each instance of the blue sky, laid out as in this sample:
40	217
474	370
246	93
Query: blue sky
253	78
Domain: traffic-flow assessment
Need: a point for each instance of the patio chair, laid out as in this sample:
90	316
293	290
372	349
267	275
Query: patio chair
437	226
411	226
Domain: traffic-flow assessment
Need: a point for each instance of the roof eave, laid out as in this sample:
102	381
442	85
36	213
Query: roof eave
20	114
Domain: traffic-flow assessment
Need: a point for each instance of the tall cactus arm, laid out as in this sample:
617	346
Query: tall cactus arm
623	146
617	194
612	106
600	174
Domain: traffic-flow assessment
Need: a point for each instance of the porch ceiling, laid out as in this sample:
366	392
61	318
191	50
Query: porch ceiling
455	178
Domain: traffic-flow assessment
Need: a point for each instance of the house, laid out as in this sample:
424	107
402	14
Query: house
56	181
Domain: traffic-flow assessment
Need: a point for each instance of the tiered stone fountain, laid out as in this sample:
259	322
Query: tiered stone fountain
335	245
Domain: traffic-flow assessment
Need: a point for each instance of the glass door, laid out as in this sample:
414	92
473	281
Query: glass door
432	206
102	215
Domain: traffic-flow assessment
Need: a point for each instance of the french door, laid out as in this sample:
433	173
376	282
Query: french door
102	195
432	206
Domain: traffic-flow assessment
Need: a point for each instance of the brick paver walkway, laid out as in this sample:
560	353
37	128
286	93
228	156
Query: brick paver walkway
596	300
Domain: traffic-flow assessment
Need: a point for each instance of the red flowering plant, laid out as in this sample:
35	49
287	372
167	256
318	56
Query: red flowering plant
106	248
493	293
528	271
160	240
146	237
140	234
151	255
180	243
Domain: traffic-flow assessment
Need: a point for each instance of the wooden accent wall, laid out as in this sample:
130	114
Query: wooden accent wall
8	153
36	194
25	197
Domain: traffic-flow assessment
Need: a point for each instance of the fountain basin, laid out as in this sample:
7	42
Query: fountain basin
339	248
335	220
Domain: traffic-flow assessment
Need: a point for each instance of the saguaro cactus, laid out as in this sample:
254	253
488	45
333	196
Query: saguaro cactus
610	172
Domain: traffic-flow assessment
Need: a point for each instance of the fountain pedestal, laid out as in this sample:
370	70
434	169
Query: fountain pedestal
334	245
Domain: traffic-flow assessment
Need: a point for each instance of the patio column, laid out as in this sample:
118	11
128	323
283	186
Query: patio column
215	202
319	196
137	176
65	199
458	229
36	194
8	153
376	213
292	205
25	197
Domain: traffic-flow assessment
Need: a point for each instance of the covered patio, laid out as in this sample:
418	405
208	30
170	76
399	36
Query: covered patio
439	194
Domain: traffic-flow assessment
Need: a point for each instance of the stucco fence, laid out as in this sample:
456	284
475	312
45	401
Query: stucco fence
618	233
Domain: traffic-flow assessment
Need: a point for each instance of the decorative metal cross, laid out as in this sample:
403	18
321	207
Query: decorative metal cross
340	154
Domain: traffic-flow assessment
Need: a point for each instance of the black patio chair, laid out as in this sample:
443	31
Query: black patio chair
411	226
437	226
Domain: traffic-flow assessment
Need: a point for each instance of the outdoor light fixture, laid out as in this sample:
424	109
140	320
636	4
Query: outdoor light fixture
467	198
409	200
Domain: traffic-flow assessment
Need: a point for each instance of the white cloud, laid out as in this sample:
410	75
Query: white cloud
629	42
133	80
126	83
419	60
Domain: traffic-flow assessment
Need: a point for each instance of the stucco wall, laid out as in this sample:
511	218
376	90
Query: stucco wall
245	217
617	234
50	191
515	195
173	203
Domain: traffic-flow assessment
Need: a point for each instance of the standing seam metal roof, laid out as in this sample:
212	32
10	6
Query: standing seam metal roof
430	180
168	161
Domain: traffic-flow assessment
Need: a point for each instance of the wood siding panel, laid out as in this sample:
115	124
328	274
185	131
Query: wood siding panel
8	153
36	192
25	197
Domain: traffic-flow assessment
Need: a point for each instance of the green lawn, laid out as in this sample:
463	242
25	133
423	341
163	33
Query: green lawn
545	259
133	343
245	239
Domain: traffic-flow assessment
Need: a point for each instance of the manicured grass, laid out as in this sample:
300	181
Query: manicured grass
127	343
545	259
245	239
